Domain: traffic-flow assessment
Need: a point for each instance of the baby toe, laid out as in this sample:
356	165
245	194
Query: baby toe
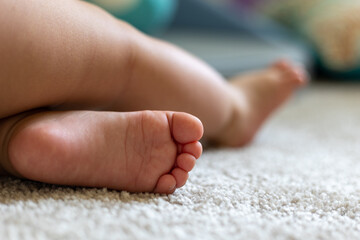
194	148
301	75
166	184
181	177
186	128
186	161
296	74
282	64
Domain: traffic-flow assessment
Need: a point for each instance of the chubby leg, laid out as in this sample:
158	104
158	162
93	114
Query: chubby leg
138	151
61	52
93	61
165	77
85	63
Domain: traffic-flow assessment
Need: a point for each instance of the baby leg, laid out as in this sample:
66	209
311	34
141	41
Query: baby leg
138	151
60	52
84	64
164	77
93	61
98	62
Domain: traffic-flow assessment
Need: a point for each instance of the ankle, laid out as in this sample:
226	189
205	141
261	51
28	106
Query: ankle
235	132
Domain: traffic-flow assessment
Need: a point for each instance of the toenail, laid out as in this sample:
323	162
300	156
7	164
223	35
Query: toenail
172	188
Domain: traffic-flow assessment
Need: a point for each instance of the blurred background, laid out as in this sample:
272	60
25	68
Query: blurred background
227	34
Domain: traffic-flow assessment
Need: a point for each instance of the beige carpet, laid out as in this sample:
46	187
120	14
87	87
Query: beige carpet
300	179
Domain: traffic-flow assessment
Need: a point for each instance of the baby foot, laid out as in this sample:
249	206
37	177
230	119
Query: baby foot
256	96
145	151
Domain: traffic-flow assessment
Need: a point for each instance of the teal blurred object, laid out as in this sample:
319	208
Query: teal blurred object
150	16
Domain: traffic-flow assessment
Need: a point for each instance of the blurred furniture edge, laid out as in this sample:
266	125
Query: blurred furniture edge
232	40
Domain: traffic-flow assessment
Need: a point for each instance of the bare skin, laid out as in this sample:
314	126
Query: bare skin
91	148
91	81
258	95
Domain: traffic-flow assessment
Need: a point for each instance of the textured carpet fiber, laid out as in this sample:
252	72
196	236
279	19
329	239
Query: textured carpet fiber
300	179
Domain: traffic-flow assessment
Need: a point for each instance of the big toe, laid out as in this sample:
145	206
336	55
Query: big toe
185	127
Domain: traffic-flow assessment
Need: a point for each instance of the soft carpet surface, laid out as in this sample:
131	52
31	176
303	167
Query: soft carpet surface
300	179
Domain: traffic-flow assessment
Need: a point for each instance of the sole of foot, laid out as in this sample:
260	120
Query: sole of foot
147	151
